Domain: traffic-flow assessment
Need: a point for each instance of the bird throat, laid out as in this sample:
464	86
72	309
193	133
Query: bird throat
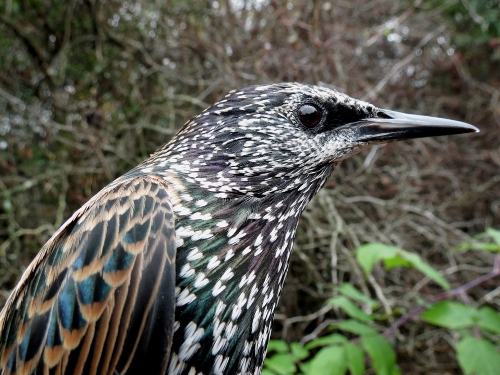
232	260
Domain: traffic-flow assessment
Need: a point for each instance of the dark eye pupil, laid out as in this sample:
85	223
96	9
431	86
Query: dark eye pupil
309	115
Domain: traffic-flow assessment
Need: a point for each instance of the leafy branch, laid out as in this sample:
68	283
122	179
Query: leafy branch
357	339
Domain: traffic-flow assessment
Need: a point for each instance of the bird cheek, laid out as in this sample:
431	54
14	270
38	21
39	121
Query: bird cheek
350	151
342	148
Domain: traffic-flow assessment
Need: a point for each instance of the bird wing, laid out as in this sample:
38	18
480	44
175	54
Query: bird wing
100	296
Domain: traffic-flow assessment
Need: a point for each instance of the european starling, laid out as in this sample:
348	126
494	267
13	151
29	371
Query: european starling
177	266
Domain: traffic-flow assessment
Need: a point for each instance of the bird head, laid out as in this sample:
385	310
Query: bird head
269	138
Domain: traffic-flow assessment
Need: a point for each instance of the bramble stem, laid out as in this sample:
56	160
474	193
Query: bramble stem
461	290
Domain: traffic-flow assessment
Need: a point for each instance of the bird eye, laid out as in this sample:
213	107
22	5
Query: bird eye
309	115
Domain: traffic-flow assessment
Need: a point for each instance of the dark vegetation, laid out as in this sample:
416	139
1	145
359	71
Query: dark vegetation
89	88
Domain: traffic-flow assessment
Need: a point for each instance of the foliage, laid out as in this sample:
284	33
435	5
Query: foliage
369	254
344	351
477	20
478	356
493	245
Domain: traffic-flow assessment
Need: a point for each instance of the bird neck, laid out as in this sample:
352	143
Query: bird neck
232	260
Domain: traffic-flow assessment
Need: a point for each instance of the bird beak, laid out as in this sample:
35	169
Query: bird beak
396	126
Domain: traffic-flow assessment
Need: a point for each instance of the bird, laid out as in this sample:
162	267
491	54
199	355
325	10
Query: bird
177	266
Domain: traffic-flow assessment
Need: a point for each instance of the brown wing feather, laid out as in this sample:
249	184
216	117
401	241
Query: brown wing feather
100	296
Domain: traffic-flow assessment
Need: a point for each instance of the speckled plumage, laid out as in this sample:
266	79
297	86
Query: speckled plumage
176	267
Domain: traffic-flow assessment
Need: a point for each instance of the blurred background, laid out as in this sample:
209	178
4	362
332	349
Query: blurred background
89	88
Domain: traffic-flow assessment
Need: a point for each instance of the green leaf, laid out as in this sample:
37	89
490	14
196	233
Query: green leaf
494	247
494	234
427	270
351	292
381	353
355	327
281	364
350	308
491	247
489	319
450	315
298	351
478	357
278	346
355	359
332	339
390	263
369	254
267	372
305	366
330	360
